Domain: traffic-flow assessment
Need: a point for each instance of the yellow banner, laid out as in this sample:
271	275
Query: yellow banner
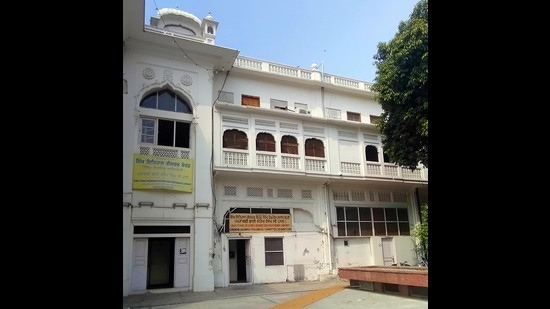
152	172
259	223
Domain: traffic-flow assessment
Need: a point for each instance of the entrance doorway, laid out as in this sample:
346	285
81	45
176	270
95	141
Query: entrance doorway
387	251
239	261
160	263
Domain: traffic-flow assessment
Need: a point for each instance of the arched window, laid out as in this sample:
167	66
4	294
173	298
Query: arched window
165	132
210	30
371	153
386	157
315	148
265	142
166	100
235	139
289	144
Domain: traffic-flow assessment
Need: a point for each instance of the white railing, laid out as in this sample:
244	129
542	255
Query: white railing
288	162
165	152
300	73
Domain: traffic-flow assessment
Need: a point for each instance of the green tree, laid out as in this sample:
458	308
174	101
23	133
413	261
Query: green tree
420	234
401	84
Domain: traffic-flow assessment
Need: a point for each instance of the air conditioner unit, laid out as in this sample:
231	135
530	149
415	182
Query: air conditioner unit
304	111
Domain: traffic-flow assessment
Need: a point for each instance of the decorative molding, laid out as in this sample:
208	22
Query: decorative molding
148	73
186	80
168	75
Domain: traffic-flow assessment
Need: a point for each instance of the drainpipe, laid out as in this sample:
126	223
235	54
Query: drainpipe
329	226
418	204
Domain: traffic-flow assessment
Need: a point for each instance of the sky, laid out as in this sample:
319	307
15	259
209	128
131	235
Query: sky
340	36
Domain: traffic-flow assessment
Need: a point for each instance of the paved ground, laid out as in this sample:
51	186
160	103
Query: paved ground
328	294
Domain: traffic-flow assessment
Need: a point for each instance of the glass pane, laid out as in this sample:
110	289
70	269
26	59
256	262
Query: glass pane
340	213
342	229
167	101
379	228
378	214
351	214
392	228
182	106
402	214
404	229
274	258
280	211
147	139
273	244
147	131
364	214
353	228
150	101
182	134
366	228
166	133
391	214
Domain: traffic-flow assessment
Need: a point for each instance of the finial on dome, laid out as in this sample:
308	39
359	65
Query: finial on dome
209	15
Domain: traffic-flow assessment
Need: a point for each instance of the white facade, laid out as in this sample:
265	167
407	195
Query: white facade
180	240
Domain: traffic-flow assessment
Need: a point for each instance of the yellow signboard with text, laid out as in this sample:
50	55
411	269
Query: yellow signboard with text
152	172
259	223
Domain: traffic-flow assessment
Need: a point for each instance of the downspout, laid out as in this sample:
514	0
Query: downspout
329	226
418	206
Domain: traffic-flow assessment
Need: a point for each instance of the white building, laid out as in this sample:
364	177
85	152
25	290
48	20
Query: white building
240	170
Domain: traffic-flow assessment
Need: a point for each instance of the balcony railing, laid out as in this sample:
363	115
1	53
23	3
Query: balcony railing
300	73
287	162
165	152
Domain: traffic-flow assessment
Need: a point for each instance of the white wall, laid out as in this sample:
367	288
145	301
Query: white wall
357	253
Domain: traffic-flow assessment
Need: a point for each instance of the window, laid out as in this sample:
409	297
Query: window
278	104
289	144
274	254
249	100
265	142
166	100
235	139
354	116
333	113
371	153
315	148
210	30
374	119
226	96
386	157
371	221
165	132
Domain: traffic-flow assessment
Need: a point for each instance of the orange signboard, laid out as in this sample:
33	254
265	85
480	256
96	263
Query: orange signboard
259	223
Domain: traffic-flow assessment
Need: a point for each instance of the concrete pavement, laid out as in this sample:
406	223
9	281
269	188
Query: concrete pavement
329	293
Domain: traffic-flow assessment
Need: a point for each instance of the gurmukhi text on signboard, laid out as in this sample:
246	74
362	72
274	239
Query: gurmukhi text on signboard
259	223
152	172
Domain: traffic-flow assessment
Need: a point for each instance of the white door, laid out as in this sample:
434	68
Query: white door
139	265
181	263
387	251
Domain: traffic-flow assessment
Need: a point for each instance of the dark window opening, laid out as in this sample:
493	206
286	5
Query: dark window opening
372	221
265	142
371	153
289	144
274	254
315	148
235	139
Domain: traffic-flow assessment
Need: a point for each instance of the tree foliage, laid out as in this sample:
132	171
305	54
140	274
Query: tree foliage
401	84
420	234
